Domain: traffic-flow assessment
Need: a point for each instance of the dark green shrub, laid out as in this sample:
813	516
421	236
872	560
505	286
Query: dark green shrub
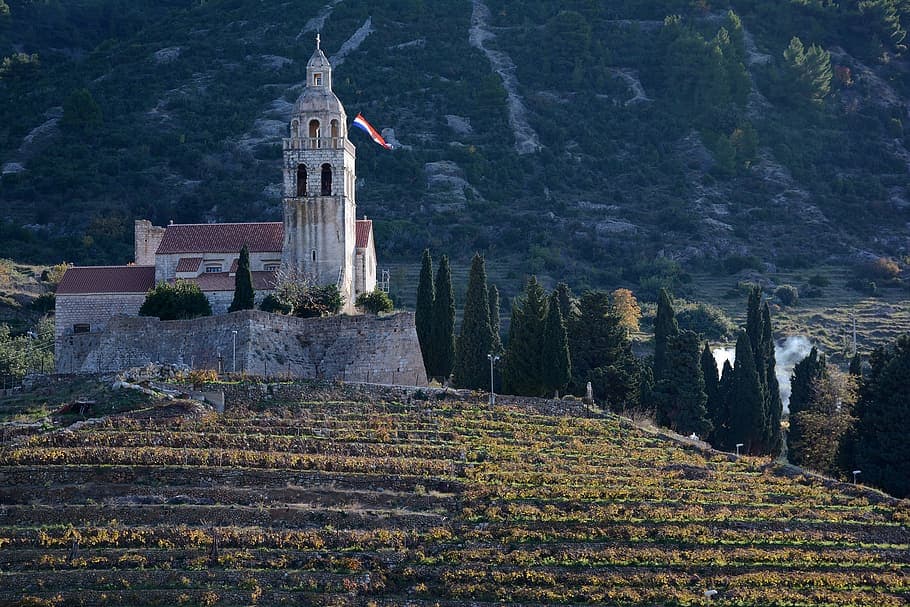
374	302
317	301
819	281
177	301
787	294
710	322
44	303
272	304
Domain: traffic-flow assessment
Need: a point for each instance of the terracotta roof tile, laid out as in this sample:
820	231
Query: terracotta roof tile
107	279
223	281
222	238
364	231
189	264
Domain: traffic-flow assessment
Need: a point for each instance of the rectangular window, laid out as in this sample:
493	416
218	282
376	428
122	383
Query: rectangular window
272	267
317	79
212	269
81	328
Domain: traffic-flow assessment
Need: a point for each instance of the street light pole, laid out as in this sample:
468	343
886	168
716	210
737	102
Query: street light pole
855	474
738	445
493	359
234	338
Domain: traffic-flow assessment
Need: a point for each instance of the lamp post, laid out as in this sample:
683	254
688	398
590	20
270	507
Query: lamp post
234	345
855	474
493	359
738	445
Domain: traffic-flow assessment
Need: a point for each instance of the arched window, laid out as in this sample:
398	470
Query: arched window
314	133
326	180
335	129
295	128
301	180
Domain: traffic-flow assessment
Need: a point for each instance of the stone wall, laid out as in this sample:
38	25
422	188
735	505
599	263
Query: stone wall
349	348
95	310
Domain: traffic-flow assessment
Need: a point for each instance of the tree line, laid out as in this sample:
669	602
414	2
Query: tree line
560	343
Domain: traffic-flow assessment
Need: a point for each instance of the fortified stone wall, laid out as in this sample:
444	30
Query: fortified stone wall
348	348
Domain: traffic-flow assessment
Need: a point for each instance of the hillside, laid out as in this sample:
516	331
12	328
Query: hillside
336	495
572	139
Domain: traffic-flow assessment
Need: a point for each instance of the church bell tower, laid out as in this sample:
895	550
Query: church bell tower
319	178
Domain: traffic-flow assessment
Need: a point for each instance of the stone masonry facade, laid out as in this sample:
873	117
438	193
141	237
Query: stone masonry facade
364	348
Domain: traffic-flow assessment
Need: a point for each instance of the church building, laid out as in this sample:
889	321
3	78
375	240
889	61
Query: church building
320	240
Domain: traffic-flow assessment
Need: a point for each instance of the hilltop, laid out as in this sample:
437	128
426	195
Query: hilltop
344	495
574	139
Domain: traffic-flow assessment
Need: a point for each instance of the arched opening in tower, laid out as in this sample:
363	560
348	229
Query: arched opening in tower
314	133
326	180
301	180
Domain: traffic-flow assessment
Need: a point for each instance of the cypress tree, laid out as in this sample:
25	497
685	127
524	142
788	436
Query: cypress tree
856	365
476	339
244	296
721	431
746	401
442	335
753	321
495	325
423	314
567	305
665	327
557	371
805	374
881	448
601	352
774	405
521	371
680	394
712	390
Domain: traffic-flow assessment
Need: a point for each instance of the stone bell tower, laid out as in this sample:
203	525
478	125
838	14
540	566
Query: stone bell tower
319	205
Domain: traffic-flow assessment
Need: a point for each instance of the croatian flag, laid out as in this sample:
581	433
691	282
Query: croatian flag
361	122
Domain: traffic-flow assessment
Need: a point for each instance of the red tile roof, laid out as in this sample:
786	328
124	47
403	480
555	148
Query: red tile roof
364	231
223	281
222	238
107	279
189	264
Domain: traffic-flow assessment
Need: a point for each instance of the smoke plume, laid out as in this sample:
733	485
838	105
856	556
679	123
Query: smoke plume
786	353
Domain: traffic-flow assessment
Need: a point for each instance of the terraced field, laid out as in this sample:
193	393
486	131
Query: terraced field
345	497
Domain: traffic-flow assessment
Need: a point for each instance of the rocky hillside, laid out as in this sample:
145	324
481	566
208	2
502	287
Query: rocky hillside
575	139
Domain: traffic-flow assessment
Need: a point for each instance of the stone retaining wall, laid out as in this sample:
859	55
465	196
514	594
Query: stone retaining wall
349	348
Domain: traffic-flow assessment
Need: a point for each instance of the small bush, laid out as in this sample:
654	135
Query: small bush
738	263
44	303
178	301
374	302
317	301
883	268
863	286
819	281
272	304
787	294
708	321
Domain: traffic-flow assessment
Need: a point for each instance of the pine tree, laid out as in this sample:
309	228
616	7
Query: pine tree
881	448
495	325
557	370
774	406
805	373
442	335
423	314
476	339
665	327
521	371
746	401
712	390
680	394
244	296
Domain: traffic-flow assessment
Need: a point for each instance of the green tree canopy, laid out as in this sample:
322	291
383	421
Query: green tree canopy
475	341
423	314
178	301
80	111
557	370
665	328
746	402
442	331
680	393
244	296
521	370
